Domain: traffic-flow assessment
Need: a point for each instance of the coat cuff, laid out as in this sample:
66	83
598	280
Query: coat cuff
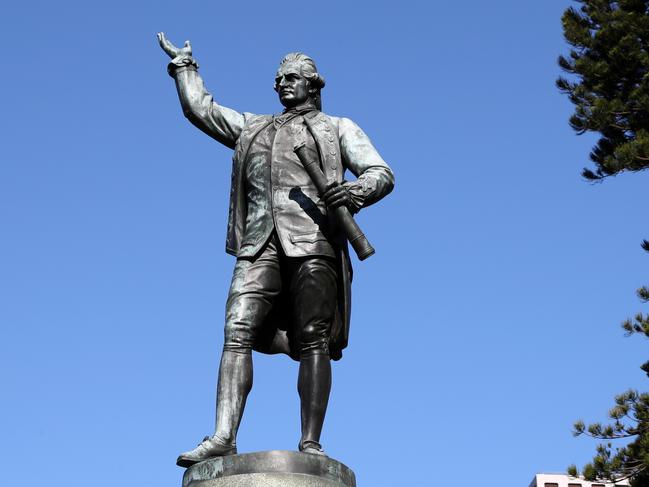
179	62
358	191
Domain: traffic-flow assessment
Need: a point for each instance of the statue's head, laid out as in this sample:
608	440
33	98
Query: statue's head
297	80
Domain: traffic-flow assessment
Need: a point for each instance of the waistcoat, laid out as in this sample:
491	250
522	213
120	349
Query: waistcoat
300	218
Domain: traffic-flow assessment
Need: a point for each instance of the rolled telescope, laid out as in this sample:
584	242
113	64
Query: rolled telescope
352	231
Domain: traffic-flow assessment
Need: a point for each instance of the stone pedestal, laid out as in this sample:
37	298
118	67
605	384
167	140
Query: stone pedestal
270	469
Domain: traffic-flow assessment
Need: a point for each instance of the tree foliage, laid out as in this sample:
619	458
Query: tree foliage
639	324
629	420
608	82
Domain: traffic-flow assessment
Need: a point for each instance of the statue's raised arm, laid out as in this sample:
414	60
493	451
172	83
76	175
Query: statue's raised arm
219	122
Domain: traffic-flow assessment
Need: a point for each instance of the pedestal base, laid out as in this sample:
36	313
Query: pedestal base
270	469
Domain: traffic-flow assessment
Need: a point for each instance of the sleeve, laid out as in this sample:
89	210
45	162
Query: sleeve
374	177
219	122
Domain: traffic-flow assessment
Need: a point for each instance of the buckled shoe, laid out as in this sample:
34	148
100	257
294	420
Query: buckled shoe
208	448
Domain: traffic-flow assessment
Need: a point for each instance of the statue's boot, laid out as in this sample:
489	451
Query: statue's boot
235	382
314	385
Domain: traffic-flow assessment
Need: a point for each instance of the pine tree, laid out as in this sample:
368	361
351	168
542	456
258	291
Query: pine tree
608	64
609	57
629	420
640	323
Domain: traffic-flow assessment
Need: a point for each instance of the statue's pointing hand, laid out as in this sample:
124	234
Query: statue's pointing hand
171	50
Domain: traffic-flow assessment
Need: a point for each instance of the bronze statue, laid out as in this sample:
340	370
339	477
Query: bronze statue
290	290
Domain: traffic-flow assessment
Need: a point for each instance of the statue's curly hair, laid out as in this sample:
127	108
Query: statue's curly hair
309	71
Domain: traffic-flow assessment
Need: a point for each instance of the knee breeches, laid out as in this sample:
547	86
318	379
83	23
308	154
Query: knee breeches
308	285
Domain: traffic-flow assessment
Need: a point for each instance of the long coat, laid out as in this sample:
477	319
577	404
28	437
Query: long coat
342	146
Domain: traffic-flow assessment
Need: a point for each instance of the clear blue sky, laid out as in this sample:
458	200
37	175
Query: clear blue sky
484	326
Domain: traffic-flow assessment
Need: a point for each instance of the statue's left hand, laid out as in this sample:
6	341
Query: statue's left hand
338	195
171	50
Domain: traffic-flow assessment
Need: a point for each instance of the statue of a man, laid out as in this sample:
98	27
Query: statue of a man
290	289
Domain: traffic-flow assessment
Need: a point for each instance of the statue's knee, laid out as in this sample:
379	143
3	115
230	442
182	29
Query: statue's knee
314	337
238	337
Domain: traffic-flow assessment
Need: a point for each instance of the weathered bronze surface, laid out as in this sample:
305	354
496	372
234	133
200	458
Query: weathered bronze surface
288	228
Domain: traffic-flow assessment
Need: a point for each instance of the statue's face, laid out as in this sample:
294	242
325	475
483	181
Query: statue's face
292	87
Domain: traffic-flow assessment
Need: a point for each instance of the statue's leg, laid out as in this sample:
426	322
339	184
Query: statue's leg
255	285
234	385
313	294
313	385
